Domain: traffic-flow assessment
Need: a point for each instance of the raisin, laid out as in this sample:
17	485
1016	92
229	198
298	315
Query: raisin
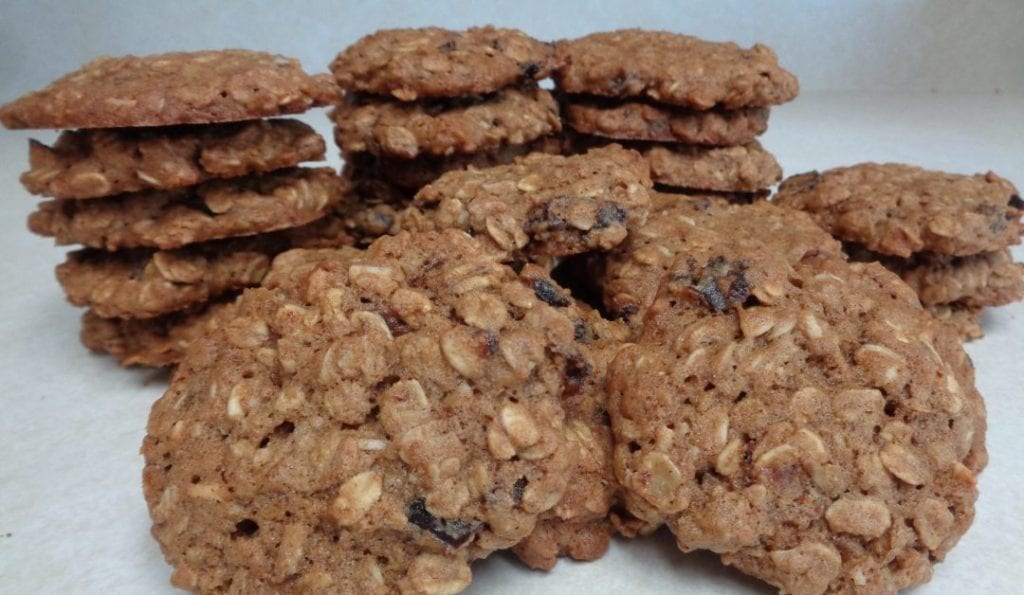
610	214
577	370
547	293
455	532
517	489
529	69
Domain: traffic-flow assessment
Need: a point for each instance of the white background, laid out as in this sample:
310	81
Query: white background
940	84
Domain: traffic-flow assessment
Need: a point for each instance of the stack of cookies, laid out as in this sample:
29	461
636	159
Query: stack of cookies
946	235
419	102
177	189
693	108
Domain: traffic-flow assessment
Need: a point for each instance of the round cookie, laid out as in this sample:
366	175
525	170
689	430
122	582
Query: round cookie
900	209
169	89
152	342
645	121
985	279
672	68
146	283
804	418
431	62
557	205
635	270
747	168
407	130
104	162
169	219
368	422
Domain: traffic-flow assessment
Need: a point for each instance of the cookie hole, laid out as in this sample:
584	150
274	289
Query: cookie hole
264	442
245	528
195	479
224	94
950	424
633	446
890	408
709	387
283	429
739	398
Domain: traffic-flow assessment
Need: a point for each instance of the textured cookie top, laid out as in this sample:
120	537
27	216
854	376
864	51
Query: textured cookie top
672	68
544	204
677	223
432	62
368	422
986	279
646	121
173	88
168	219
807	419
95	163
408	130
900	209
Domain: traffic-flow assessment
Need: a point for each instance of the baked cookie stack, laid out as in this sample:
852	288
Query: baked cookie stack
419	102
176	187
693	108
946	235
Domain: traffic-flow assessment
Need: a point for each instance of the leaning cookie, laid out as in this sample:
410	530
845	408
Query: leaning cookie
104	162
411	64
543	204
169	219
672	68
806	419
367	422
900	209
170	89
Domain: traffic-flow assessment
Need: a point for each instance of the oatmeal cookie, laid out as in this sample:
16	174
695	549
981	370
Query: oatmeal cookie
169	219
964	320
900	209
986	279
410	64
446	127
367	422
647	121
170	89
634	271
153	342
747	168
672	68
146	283
806	420
413	174
104	162
558	205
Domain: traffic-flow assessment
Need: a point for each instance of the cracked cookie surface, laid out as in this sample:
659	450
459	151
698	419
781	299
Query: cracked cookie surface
368	422
803	417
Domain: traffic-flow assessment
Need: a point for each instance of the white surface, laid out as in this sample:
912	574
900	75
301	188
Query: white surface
861	45
72	516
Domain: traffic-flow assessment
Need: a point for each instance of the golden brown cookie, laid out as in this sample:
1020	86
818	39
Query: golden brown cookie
153	342
169	219
448	127
672	68
104	162
410	64
898	209
543	204
170	89
648	121
367	422
806	419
